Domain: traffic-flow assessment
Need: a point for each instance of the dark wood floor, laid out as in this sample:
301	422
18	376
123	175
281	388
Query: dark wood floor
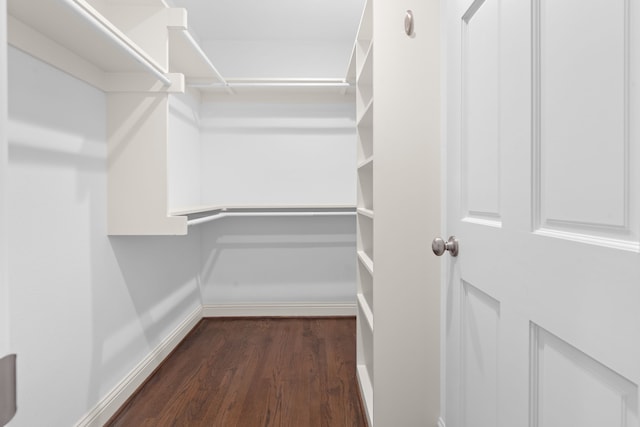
255	373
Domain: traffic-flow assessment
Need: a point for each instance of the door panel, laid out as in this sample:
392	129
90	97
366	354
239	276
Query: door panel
480	320
480	108
560	371
582	90
542	154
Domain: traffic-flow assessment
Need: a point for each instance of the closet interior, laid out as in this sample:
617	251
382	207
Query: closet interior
189	144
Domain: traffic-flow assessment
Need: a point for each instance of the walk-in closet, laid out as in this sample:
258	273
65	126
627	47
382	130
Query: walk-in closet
165	161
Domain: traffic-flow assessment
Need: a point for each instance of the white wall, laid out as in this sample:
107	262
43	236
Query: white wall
285	152
252	261
282	151
4	287
279	58
85	308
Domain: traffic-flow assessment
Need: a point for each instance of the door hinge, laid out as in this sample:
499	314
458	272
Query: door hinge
7	388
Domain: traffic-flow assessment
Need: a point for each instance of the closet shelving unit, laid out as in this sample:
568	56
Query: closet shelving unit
138	52
363	50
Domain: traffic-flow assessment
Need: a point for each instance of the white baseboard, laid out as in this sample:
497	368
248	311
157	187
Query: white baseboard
293	309
108	406
441	422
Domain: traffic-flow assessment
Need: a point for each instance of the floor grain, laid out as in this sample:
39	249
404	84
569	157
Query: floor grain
298	372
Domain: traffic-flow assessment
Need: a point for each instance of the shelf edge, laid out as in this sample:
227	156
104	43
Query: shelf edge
368	313
366	212
366	261
366	391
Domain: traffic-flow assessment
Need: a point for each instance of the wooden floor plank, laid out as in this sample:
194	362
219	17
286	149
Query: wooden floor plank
274	372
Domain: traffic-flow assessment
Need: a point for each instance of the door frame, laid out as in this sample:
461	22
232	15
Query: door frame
7	362
444	195
4	285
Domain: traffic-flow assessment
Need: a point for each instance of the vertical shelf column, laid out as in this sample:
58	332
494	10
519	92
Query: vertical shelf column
364	108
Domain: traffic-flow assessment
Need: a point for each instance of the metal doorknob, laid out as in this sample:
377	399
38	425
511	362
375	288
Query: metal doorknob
439	246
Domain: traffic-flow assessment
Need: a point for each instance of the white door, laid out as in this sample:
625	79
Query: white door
543	301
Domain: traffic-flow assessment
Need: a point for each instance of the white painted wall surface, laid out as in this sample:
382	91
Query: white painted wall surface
278	151
271	152
4	286
280	58
85	308
278	260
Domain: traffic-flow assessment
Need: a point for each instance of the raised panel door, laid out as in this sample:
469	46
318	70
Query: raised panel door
542	158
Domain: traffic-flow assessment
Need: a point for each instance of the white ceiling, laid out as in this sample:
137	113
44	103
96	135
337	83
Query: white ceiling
317	20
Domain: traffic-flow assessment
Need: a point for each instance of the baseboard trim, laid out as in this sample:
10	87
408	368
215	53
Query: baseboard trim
108	406
441	422
292	309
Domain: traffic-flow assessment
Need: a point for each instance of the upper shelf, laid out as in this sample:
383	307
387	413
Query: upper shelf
135	46
83	30
73	36
187	57
138	46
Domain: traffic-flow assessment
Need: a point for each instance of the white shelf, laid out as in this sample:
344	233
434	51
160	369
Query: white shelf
365	30
366	310
366	163
365	118
194	210
366	389
188	58
366	261
364	71
365	212
351	73
203	215
51	30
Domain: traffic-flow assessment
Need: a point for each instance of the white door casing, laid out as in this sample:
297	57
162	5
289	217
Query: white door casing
7	362
4	286
542	324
